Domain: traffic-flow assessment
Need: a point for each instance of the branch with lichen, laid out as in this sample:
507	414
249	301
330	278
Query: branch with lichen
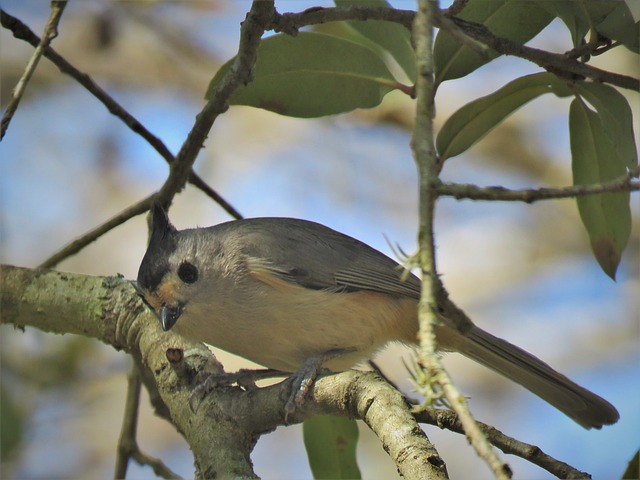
108	309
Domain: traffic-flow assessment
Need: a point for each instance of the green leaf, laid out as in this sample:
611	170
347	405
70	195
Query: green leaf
331	446
617	119
517	20
312	75
391	37
611	18
473	121
619	25
573	15
607	216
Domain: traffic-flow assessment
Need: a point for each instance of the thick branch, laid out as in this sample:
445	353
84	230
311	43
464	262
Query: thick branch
385	411
109	309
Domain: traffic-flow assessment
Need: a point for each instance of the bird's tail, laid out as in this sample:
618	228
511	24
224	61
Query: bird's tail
581	405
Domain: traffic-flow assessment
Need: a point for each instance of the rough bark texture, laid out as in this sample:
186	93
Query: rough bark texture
226	426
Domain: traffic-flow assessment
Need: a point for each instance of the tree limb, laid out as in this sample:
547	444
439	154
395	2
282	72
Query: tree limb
557	63
449	420
92	235
473	192
23	32
108	309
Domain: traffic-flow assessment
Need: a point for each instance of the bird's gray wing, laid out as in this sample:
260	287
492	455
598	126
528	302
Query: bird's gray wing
317	257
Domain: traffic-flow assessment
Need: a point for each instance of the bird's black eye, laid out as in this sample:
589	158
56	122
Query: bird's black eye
188	272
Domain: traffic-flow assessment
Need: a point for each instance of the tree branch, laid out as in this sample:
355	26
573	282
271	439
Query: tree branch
290	23
559	64
108	309
473	192
92	235
368	396
50	32
23	32
127	444
240	73
429	363
449	420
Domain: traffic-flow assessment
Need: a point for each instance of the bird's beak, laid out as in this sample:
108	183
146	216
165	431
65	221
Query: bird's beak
169	315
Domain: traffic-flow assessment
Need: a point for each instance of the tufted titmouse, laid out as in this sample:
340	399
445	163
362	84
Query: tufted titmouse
293	295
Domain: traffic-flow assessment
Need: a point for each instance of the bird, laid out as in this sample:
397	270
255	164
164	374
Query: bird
297	296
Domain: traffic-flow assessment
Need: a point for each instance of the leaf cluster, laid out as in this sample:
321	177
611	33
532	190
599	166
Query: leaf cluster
352	64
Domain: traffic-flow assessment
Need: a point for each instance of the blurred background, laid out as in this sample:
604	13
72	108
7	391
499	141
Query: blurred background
523	272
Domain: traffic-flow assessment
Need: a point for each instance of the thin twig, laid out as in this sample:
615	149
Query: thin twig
427	163
556	63
553	62
445	23
22	32
79	243
251	31
449	419
459	191
92	235
127	444
290	22
50	32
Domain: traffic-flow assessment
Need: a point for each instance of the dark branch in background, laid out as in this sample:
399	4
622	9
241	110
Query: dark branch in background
127	444
449	420
251	31
181	168
290	23
459	191
23	32
456	7
559	64
79	243
50	32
